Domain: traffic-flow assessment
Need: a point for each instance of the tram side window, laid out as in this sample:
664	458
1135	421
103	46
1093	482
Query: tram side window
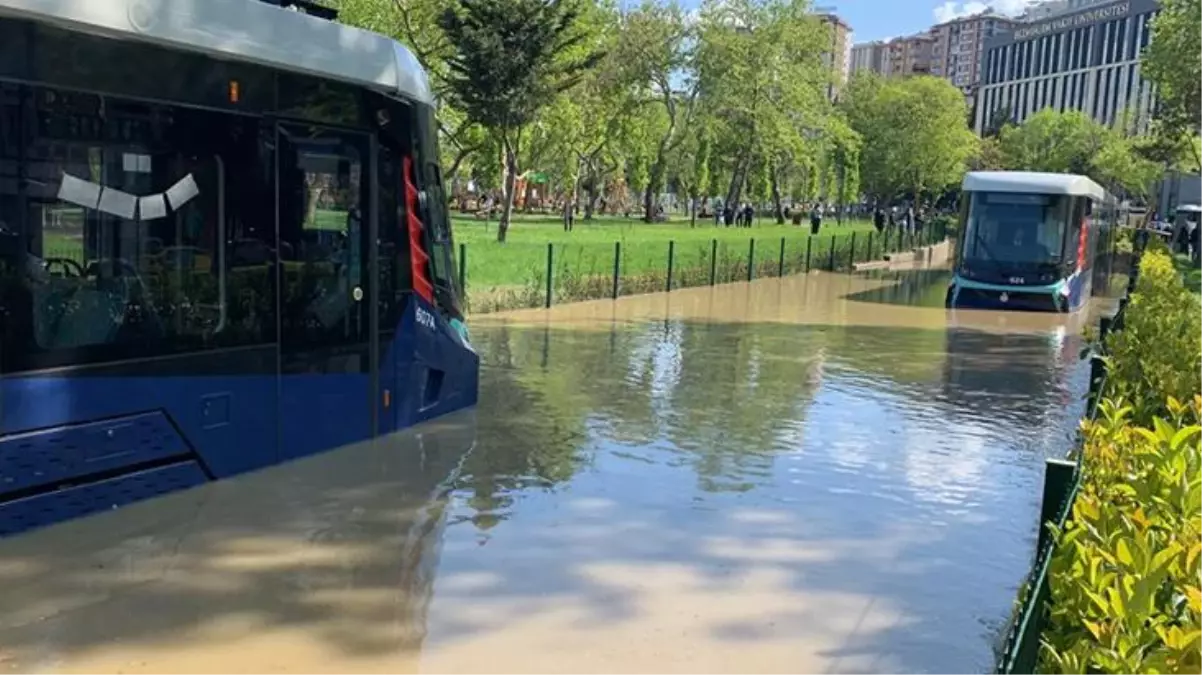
14	309
321	240
123	213
1073	248
435	213
394	270
126	259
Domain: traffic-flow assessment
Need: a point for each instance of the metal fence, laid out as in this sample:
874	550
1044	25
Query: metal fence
514	275
1062	480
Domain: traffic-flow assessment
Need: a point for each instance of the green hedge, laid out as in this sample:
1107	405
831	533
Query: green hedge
1124	574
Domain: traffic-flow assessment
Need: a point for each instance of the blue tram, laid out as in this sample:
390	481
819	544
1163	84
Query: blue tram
223	245
1032	241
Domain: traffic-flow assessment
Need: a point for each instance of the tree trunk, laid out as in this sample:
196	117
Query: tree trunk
590	201
736	182
655	178
842	182
569	209
776	207
511	171
693	215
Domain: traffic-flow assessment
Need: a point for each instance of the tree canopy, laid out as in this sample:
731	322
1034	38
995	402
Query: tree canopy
915	134
732	102
1072	142
508	60
1173	61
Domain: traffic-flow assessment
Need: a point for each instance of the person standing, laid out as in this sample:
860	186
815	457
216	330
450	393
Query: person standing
815	219
878	219
569	215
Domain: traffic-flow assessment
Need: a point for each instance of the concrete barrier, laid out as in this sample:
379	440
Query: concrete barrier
923	256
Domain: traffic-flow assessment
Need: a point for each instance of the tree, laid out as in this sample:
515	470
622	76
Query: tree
1119	166
1072	142
691	168
914	132
509	59
761	75
1173	62
1049	140
989	155
415	24
655	47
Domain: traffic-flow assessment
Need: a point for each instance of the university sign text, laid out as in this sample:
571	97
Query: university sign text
1082	19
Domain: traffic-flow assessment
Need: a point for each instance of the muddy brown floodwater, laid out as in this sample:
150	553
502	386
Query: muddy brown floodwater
821	473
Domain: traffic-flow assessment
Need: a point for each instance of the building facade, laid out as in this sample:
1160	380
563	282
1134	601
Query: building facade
838	58
959	47
910	55
870	57
1086	60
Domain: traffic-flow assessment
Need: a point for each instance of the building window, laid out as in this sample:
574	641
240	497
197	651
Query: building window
1107	43
1132	93
1120	49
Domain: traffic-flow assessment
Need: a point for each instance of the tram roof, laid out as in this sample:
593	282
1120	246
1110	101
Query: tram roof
1032	182
244	30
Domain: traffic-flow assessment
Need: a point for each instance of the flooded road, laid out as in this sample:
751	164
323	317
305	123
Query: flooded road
821	473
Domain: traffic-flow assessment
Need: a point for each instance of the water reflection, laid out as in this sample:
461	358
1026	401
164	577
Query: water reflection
832	417
326	564
783	475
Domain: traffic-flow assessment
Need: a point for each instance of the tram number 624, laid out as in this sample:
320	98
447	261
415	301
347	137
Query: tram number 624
425	318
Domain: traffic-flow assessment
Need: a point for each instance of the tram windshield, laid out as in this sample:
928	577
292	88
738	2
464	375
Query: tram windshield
1016	229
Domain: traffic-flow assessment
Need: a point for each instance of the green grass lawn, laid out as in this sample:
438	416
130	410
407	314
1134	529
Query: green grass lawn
589	248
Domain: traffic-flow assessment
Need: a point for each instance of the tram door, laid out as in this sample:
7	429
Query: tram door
392	281
325	290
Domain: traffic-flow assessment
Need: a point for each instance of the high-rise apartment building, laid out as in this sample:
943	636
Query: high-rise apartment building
959	47
910	55
839	56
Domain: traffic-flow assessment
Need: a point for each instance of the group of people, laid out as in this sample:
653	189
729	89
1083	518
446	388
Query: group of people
908	220
742	216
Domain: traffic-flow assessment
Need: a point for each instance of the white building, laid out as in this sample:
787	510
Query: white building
871	57
1052	8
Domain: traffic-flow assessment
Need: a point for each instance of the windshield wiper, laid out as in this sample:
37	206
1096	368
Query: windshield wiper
977	240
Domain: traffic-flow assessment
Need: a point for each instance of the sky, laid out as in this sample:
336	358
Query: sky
885	19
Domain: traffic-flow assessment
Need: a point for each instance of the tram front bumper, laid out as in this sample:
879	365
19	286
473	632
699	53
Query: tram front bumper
1016	299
